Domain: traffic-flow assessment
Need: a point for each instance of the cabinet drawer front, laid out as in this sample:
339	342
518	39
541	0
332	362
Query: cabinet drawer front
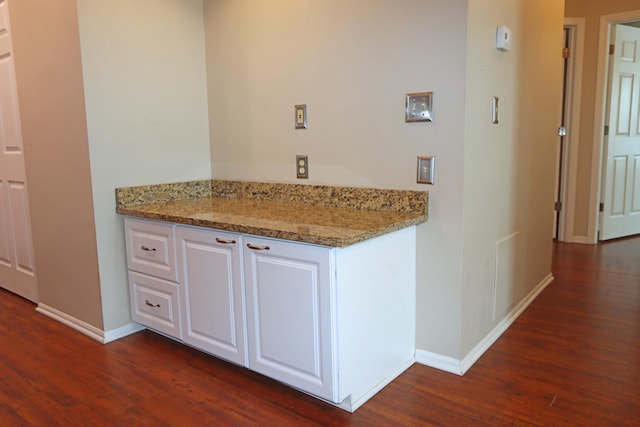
155	303
151	248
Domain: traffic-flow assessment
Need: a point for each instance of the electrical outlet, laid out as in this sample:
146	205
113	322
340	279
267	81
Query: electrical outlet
302	166
425	169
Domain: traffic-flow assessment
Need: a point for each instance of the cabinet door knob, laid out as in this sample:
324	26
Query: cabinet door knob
225	242
147	249
257	248
150	304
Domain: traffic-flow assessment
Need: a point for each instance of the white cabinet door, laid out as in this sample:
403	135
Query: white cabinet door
291	313
212	292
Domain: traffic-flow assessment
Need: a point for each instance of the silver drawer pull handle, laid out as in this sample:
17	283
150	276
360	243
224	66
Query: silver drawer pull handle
144	248
150	304
257	248
225	242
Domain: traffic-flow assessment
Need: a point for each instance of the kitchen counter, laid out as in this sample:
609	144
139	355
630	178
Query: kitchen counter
322	215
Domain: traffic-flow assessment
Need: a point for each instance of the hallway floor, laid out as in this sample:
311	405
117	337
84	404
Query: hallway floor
571	359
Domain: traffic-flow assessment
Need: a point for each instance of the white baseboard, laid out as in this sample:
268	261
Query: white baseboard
438	361
360	400
116	334
583	240
87	329
460	367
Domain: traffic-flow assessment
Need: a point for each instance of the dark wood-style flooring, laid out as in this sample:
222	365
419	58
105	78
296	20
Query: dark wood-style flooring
571	359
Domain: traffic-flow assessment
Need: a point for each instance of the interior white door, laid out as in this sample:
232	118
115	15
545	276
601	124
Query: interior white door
17	271
621	169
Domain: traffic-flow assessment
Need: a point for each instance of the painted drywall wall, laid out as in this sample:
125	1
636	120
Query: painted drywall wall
591	10
145	92
49	79
260	62
351	63
509	166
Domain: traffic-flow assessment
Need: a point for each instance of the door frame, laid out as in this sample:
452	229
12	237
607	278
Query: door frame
599	119
573	102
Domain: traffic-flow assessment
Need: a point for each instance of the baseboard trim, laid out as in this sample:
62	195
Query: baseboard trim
116	334
361	400
87	329
582	239
460	367
438	361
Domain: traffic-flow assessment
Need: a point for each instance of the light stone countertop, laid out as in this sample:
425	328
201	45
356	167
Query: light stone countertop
322	215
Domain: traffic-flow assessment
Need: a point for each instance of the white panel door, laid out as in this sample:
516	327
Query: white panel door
621	169
289	314
212	292
17	271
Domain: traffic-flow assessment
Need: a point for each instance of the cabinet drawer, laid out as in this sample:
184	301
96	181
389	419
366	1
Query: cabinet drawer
151	248
155	303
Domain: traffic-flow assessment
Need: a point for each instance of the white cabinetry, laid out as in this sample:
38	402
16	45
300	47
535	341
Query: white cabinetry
212	292
152	275
290	310
338	323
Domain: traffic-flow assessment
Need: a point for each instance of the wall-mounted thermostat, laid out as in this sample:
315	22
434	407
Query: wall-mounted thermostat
503	39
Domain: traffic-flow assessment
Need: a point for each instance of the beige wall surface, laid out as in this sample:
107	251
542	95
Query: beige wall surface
351	62
218	100
50	91
592	10
510	166
260	62
145	92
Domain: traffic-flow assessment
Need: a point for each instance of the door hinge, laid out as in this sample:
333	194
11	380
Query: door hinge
606	130
612	49
558	206
566	53
601	207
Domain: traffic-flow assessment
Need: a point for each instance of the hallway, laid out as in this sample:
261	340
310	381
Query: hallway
572	358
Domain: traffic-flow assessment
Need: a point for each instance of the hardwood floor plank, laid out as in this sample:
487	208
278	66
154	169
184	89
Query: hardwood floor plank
571	359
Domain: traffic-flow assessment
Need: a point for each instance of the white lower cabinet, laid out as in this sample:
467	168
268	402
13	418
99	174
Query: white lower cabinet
337	323
212	292
291	313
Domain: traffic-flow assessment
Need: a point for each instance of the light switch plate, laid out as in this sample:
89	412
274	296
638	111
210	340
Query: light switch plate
419	107
425	169
301	116
495	108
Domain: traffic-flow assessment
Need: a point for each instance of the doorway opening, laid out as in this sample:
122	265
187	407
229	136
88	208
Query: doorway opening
569	135
601	178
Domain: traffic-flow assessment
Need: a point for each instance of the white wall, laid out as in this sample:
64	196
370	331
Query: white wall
351	62
509	167
145	92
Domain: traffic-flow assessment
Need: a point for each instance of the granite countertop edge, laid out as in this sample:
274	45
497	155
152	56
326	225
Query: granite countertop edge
411	210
